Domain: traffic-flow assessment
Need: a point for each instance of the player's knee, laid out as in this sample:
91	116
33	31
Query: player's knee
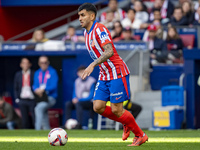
116	112
98	109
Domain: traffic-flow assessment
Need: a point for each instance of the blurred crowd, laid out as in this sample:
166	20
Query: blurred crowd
159	20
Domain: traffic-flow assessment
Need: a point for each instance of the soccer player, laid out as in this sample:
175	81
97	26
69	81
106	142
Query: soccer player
113	83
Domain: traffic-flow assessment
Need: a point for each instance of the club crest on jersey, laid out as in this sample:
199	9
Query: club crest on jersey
92	43
104	36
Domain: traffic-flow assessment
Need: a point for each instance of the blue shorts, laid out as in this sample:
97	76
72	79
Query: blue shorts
115	91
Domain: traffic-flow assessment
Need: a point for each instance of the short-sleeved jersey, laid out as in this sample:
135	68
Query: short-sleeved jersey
95	39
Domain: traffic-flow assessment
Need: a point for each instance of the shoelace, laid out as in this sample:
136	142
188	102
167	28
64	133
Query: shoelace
135	139
125	129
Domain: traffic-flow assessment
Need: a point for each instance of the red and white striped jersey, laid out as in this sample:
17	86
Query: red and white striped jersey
95	39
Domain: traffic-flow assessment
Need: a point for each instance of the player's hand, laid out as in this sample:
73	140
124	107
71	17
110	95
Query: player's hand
39	92
75	100
153	56
88	71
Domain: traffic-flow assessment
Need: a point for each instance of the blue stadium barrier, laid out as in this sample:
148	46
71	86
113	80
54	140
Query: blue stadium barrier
163	75
75	46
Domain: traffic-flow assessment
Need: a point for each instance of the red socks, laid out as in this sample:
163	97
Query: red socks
109	114
127	119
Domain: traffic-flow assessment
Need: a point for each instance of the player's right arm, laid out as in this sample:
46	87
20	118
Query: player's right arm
108	52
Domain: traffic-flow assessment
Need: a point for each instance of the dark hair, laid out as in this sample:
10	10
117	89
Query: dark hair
88	7
70	26
113	0
81	68
176	35
156	9
109	11
38	29
119	24
25	58
132	10
44	56
178	7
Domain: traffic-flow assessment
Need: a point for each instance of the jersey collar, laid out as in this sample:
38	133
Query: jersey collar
92	27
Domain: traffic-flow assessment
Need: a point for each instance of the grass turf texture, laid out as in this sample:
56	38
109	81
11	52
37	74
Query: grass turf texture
99	140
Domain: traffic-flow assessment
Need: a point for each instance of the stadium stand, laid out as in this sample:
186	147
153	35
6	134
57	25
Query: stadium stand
158	76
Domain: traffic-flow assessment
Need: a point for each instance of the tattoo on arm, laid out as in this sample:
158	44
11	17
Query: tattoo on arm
108	52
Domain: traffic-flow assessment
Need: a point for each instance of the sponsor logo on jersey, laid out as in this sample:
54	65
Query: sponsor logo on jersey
92	55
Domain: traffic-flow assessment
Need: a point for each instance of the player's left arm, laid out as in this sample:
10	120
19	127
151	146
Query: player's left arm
108	52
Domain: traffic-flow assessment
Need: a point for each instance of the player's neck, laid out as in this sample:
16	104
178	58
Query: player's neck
89	26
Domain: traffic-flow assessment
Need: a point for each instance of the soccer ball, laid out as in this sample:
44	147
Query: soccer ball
57	137
71	123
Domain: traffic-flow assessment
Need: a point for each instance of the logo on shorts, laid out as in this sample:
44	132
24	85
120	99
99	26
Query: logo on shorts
117	98
116	94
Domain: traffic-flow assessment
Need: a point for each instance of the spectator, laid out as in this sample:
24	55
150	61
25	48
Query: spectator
45	88
182	1
178	18
166	8
196	6
8	117
188	12
119	14
197	15
141	15
71	36
174	45
131	6
157	47
160	33
131	21
82	97
39	36
116	33
157	16
108	22
24	96
127	34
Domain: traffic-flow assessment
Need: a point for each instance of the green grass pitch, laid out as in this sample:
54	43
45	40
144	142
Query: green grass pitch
100	140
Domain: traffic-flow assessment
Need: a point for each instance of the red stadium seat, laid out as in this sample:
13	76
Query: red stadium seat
137	37
55	117
8	99
188	40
